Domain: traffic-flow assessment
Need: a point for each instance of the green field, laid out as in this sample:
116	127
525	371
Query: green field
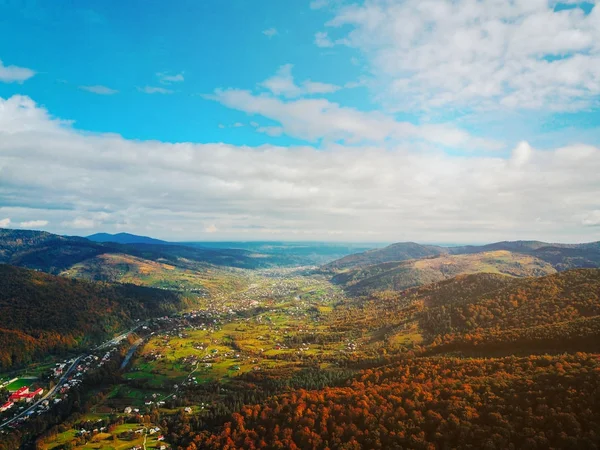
18	384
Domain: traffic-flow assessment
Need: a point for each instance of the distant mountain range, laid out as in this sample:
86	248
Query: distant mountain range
124	238
586	255
403	265
54	254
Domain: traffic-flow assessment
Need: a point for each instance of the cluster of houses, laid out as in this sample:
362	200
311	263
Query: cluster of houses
21	395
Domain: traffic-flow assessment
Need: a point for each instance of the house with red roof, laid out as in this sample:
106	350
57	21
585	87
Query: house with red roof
6	406
23	394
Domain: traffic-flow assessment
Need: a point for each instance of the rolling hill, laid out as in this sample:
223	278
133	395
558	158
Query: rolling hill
43	313
556	311
417	272
123	268
401	251
561	256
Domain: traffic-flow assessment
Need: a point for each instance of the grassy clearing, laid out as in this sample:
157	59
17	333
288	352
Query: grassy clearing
109	440
18	384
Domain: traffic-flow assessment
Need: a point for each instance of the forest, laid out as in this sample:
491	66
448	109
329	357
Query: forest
429	403
44	314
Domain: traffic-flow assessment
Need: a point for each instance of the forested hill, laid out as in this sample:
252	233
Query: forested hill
54	254
561	256
560	311
42	313
402	275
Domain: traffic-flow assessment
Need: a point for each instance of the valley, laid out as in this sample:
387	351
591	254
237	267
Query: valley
215	356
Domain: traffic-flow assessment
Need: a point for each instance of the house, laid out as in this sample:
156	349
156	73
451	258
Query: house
128	410
23	394
18	394
6	406
160	438
32	395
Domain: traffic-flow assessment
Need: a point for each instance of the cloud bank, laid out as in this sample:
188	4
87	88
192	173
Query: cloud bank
82	182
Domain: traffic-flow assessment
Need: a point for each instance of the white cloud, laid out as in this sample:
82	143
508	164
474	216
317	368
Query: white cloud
484	54
271	131
100	90
322	40
80	223
34	223
592	219
318	4
522	153
5	223
282	83
166	78
155	90
14	74
270	32
81	181
315	119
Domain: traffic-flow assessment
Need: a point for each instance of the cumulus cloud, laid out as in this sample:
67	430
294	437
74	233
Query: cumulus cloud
154	90
100	90
322	40
5	223
486	54
33	223
315	119
14	74
283	84
82	181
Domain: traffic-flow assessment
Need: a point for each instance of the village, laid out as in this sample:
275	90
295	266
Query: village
277	322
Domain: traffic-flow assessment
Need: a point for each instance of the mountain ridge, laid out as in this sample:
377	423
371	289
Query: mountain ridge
587	254
124	238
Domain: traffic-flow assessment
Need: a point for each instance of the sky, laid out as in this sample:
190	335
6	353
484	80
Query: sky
461	121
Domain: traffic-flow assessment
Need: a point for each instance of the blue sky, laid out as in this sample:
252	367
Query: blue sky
330	119
123	45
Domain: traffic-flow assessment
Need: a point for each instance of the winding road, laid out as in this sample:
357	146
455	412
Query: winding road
49	394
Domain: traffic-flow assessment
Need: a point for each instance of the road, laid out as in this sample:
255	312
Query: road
49	394
119	338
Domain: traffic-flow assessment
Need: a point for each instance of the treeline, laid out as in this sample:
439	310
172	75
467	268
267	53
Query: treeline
429	403
43	313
